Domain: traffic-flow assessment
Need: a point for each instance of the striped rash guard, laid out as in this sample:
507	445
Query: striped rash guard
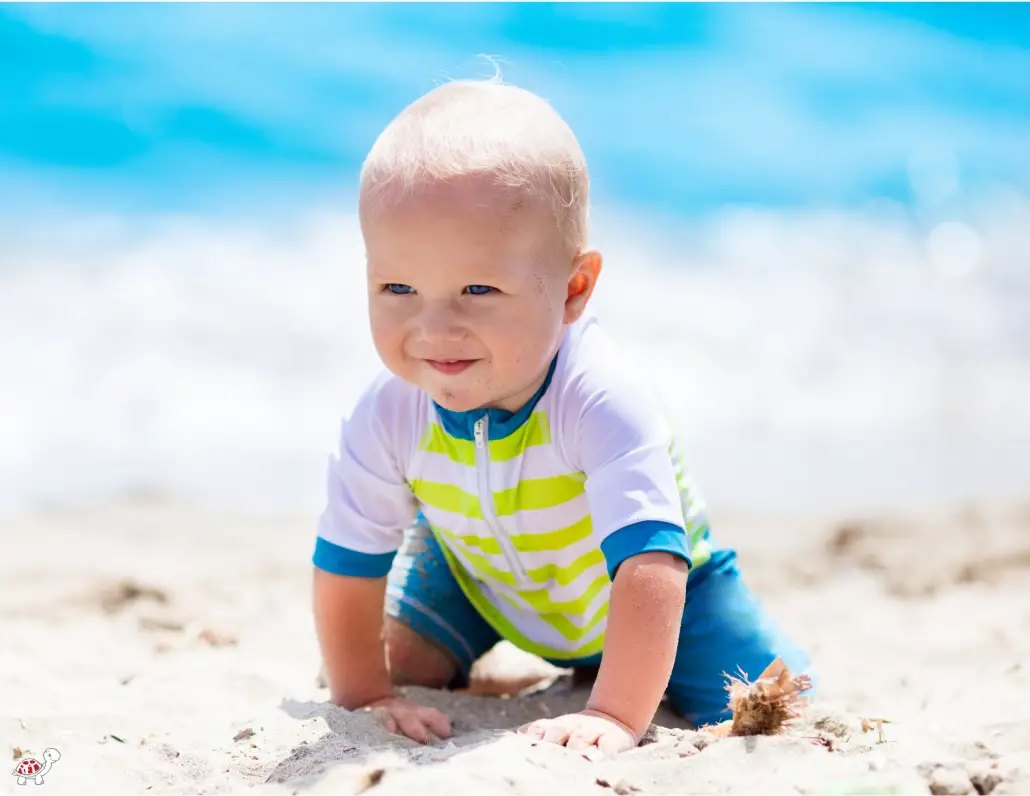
534	510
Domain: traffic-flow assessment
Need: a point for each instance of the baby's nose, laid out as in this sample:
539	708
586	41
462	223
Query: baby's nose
440	323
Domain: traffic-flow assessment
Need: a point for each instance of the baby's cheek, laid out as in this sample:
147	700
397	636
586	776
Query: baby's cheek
383	331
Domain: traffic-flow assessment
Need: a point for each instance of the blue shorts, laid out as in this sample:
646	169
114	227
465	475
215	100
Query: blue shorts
724	631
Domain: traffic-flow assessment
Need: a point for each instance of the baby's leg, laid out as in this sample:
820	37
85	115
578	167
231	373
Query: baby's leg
414	659
433	634
726	631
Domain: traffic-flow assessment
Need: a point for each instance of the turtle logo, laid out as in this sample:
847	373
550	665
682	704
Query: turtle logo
31	768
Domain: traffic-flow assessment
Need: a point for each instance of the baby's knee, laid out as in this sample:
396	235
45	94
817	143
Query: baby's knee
415	660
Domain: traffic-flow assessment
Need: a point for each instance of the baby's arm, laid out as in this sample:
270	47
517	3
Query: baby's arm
640	645
368	506
349	623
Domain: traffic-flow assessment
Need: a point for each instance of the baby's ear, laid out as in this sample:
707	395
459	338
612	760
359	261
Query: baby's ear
586	269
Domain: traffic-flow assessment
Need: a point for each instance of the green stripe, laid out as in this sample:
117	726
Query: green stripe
554	540
557	614
479	563
700	552
564	625
535	431
563	576
436	440
505	629
486	544
532	493
700	548
447	497
486	569
561	623
540	601
539	493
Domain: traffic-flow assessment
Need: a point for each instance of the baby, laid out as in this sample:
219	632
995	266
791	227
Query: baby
530	480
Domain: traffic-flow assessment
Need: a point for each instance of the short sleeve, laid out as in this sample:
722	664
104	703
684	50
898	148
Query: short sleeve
623	444
368	502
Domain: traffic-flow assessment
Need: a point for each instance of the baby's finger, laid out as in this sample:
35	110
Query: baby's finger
557	732
582	739
611	743
535	729
435	720
383	716
412	726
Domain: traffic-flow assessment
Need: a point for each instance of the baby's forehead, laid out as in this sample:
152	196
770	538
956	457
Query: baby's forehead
454	242
481	205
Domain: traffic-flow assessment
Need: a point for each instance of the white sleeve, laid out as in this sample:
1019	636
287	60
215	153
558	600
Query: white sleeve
624	444
617	434
368	501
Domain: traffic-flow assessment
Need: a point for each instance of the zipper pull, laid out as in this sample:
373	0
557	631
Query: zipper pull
478	431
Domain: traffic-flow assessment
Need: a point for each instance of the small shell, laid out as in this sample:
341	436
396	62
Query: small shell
28	766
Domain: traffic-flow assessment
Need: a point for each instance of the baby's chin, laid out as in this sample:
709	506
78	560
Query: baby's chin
457	400
458	397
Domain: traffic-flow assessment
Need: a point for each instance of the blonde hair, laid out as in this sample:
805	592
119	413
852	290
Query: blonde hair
474	127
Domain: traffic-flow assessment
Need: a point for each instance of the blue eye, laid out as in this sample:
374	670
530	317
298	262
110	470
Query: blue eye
479	290
399	290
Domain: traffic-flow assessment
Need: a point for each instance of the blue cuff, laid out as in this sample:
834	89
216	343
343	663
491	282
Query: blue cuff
344	561
649	536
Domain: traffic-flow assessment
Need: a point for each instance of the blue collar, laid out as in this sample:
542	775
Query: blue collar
502	423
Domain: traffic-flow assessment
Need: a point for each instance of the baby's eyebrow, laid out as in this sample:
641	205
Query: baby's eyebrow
376	271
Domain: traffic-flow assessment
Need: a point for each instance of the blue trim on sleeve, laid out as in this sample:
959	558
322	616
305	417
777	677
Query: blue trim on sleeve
344	561
649	536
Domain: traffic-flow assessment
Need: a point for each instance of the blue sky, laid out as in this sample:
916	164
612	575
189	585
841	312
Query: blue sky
680	108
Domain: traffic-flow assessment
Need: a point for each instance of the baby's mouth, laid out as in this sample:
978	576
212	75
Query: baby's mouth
450	367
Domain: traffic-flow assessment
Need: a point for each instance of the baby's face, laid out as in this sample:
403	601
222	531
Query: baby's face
467	292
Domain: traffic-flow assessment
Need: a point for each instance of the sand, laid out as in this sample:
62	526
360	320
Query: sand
164	649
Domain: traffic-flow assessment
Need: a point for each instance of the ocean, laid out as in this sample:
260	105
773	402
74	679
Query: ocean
813	360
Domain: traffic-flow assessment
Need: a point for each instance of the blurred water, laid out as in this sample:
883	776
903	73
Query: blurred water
821	360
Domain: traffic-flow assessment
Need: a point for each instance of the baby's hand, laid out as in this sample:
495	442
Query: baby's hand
417	722
583	731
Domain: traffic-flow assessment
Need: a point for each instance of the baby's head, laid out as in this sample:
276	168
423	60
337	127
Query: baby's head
474	213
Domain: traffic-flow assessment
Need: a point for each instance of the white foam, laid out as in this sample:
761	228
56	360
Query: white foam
954	248
811	358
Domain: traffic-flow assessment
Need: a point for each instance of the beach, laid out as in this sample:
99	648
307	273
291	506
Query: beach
817	259
164	648
859	432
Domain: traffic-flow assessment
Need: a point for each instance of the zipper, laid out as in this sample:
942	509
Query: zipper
486	500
